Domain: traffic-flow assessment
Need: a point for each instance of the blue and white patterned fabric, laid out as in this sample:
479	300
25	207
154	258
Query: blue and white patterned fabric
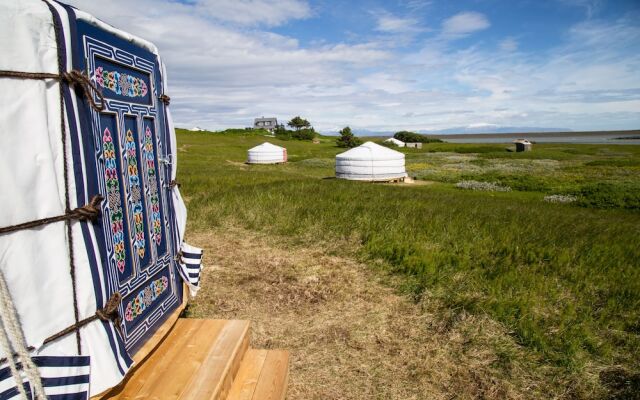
63	378
126	153
191	266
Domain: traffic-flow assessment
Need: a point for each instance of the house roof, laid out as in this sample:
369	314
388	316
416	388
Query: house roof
263	119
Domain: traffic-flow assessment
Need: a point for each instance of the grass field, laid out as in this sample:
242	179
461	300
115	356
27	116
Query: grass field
562	279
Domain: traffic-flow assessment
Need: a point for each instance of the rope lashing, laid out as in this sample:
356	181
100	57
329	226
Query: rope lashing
12	341
165	99
74	78
88	212
109	313
173	184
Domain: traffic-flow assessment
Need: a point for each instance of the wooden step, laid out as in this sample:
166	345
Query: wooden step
198	359
263	375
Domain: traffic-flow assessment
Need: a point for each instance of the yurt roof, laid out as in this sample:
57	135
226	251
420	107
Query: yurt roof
371	151
266	146
394	140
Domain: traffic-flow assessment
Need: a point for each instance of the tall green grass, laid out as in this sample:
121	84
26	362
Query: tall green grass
565	280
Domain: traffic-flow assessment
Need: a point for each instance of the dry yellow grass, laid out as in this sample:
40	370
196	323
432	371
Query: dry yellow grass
352	336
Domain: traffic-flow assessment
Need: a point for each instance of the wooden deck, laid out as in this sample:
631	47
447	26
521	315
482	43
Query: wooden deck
207	359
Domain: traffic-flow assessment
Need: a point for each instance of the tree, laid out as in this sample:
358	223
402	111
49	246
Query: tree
412	137
298	123
347	139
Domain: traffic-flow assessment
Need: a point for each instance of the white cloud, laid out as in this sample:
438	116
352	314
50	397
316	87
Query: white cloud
224	73
591	7
509	44
392	24
254	12
384	82
464	23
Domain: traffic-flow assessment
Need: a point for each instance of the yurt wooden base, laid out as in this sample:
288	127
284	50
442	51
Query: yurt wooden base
207	359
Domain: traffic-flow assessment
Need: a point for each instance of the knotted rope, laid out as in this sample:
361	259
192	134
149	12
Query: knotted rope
109	313
165	99
173	184
73	78
88	212
12	341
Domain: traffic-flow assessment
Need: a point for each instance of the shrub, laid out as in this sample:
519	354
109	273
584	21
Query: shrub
347	139
412	137
609	195
484	186
301	134
560	198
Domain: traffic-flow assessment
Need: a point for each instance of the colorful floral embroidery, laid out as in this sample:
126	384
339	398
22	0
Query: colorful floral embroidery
145	297
120	83
136	197
113	198
156	234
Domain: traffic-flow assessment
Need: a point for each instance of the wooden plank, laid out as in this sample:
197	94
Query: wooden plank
141	380
221	364
273	381
155	340
147	349
244	385
189	362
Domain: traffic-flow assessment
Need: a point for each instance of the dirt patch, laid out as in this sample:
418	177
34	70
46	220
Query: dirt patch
240	165
350	335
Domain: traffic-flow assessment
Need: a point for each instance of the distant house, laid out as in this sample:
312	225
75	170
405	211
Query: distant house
265	123
395	141
413	145
523	145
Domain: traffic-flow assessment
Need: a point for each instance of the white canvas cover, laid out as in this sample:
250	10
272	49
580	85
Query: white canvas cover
36	262
267	153
395	141
370	162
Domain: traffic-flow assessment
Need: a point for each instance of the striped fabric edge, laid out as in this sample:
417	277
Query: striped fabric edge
63	378
190	266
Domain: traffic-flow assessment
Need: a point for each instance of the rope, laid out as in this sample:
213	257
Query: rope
88	212
173	184
13	340
73	78
57	29
165	99
109	313
28	75
6	348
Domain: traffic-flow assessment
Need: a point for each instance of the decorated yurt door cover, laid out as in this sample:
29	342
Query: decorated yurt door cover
124	150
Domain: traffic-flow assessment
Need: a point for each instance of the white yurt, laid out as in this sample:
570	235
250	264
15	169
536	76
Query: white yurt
370	162
92	221
395	141
267	153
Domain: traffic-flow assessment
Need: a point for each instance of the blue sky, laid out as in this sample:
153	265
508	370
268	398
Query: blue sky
390	65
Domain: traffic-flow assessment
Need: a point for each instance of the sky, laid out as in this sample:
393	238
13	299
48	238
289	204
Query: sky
422	65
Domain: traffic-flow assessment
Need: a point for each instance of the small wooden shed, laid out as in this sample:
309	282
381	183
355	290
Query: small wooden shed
523	145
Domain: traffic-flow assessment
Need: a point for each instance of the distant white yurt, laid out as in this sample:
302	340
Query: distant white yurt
370	162
267	153
395	141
